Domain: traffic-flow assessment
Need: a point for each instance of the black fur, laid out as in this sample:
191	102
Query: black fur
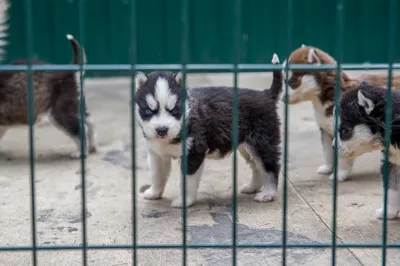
209	123
353	114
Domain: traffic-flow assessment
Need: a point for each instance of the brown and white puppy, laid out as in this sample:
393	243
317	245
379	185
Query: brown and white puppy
56	96
318	87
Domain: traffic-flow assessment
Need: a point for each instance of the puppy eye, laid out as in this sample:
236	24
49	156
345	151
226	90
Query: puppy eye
291	83
148	112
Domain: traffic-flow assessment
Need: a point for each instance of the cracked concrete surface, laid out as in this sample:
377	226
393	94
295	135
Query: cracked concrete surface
109	196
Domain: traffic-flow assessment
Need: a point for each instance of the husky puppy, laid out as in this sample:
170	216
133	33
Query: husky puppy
362	129
209	122
318	87
55	95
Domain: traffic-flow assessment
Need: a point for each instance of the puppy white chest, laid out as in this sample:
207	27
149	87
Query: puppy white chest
324	122
166	149
394	155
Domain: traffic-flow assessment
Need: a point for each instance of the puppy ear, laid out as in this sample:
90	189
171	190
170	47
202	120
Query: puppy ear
178	77
312	57
140	79
275	59
365	102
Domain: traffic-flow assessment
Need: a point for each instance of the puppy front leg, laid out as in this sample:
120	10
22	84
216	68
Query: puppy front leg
393	193
393	205
345	165
326	140
160	169
195	170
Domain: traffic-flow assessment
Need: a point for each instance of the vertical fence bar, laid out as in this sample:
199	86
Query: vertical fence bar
133	129
184	62
339	51
286	131
82	108
388	119
235	121
31	110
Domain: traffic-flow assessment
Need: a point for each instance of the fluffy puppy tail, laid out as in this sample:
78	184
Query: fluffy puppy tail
76	49
277	81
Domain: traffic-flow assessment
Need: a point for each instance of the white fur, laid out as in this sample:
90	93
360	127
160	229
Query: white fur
140	79
284	64
393	205
326	168
363	101
70	37
159	158
361	142
165	149
323	121
275	59
259	177
306	91
160	168
165	101
345	165
312	57
192	185
151	102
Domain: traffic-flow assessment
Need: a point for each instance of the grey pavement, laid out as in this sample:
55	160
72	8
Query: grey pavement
109	196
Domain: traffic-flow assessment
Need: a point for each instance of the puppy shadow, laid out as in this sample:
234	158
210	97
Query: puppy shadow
7	157
371	176
204	201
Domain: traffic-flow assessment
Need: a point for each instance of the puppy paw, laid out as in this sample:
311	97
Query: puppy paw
249	189
391	213
264	196
151	194
340	177
325	169
178	202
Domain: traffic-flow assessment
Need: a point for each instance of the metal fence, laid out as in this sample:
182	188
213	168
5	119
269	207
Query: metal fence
187	68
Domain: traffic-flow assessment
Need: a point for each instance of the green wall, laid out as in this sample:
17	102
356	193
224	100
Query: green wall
264	24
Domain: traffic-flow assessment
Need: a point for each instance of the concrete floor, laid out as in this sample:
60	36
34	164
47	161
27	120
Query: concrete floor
58	196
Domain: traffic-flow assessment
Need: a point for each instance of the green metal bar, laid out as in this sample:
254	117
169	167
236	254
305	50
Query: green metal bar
184	61
388	119
199	68
81	19
201	246
31	110
339	49
133	128
289	42
235	121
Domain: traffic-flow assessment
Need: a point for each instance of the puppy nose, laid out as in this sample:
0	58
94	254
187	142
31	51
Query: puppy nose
162	131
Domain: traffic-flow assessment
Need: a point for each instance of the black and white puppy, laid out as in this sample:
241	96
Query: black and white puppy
362	130
209	122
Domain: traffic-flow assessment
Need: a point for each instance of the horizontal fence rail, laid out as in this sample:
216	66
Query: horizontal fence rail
202	68
186	68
